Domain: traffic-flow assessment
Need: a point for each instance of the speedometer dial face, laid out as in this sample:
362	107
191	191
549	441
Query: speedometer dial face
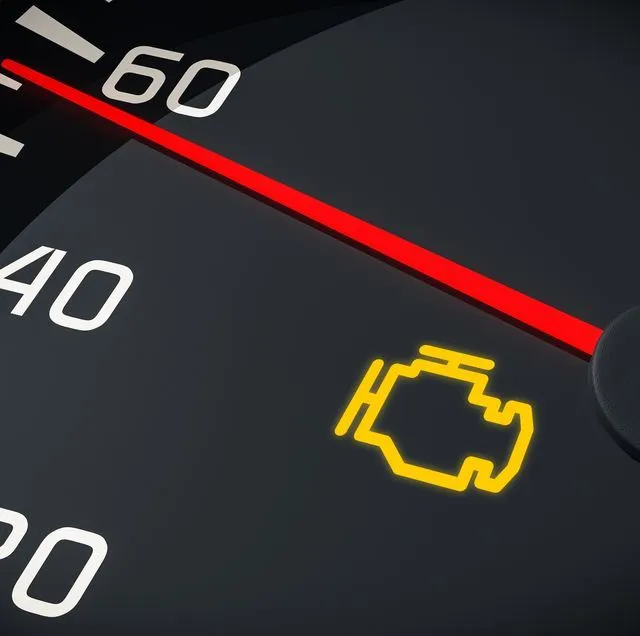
318	319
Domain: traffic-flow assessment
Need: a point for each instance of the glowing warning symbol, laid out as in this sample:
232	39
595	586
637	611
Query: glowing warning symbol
457	366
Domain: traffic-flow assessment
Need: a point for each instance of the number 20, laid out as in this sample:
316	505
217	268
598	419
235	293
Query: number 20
20	595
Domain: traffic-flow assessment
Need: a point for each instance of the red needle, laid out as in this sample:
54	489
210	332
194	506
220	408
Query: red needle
525	310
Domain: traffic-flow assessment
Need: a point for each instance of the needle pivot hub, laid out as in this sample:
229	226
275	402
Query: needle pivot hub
614	375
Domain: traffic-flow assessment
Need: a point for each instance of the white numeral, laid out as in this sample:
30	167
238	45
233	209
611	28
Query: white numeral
173	101
19	527
29	291
127	66
56	312
157	77
20	595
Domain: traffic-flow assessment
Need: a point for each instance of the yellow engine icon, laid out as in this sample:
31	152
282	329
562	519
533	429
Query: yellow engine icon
449	364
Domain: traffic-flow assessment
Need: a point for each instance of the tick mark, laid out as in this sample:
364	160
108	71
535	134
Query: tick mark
9	82
47	27
10	146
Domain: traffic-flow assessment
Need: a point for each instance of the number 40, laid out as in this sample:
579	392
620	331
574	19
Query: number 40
29	291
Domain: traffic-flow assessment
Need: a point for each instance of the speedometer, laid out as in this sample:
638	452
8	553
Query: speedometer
318	318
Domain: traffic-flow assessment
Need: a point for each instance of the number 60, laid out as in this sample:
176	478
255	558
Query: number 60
157	77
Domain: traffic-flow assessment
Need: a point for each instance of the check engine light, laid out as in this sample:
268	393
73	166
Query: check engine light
366	404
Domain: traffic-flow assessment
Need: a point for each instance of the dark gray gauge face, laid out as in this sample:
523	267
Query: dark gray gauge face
298	307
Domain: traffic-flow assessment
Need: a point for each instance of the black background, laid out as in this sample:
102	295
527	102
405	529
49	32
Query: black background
115	26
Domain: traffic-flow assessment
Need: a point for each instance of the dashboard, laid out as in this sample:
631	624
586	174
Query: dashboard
319	318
